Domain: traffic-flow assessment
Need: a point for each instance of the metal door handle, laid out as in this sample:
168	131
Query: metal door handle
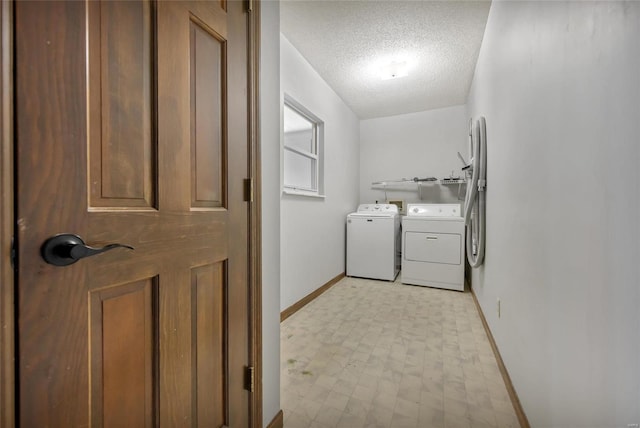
66	249
430	238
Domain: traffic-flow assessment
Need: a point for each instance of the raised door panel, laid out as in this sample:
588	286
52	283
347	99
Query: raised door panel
123	330
208	117
122	138
208	295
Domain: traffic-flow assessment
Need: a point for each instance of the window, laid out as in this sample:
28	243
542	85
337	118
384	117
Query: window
302	150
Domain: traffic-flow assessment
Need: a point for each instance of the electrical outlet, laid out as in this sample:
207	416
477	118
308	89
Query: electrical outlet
498	307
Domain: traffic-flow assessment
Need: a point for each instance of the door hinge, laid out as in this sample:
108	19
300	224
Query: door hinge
249	5
249	378
248	189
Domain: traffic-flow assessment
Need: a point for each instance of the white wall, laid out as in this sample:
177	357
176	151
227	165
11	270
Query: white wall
270	160
559	85
313	229
413	145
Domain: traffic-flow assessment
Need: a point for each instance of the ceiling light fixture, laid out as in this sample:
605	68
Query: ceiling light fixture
394	70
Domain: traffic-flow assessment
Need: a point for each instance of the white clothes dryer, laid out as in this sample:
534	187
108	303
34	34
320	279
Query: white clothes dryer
433	246
373	242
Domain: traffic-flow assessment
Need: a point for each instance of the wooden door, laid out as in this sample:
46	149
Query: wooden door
132	128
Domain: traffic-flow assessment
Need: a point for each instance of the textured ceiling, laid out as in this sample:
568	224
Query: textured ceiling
348	42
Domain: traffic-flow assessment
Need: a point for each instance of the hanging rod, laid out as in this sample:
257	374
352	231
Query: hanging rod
403	180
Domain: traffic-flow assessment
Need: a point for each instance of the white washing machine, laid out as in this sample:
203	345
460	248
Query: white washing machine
373	242
433	246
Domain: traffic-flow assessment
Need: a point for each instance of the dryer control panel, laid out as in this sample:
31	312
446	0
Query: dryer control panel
434	210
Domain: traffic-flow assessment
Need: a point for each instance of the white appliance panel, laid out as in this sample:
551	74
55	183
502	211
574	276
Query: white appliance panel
436	225
372	247
433	210
433	247
437	275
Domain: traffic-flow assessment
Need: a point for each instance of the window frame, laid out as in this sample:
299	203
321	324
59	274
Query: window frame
316	155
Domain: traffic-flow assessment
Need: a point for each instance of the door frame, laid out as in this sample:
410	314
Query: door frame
8	281
255	216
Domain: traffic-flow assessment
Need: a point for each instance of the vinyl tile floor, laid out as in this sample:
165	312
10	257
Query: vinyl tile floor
383	354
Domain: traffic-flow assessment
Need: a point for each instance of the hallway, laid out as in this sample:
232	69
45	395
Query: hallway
379	354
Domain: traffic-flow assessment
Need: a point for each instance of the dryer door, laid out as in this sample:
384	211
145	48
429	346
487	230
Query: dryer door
433	247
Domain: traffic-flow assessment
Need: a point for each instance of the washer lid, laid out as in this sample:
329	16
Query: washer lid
433	210
372	214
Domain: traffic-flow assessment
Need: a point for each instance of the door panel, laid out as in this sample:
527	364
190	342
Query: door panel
132	128
208	145
123	330
209	290
121	104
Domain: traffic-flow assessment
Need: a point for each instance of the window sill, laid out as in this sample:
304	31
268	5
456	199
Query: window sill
302	193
